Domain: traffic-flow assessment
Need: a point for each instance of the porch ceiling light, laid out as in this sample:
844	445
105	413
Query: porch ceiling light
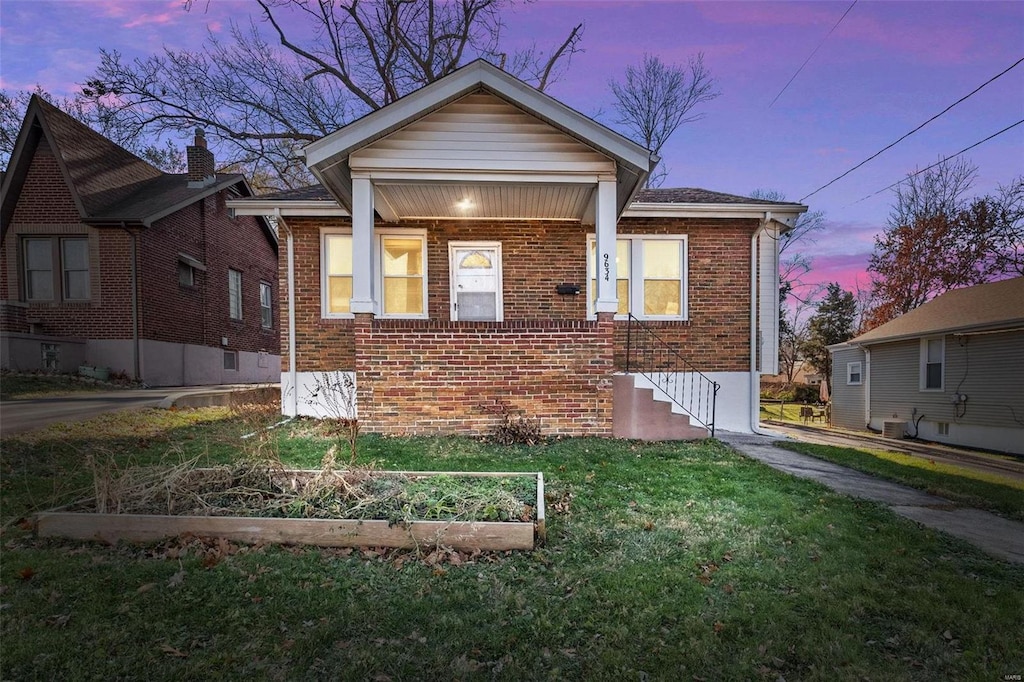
464	204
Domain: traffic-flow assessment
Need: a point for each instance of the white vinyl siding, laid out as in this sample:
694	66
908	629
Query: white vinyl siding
481	132
235	294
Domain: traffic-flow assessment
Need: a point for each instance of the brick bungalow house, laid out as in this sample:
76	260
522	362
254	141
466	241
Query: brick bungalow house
477	248
109	262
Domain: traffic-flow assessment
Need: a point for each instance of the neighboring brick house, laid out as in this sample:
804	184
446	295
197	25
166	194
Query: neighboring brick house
478	248
109	262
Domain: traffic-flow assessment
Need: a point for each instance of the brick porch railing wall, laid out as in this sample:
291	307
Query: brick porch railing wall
450	377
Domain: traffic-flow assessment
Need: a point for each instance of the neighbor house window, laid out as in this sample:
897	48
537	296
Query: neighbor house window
235	294
399	267
56	268
186	275
651	280
853	373
266	305
933	353
231	360
51	356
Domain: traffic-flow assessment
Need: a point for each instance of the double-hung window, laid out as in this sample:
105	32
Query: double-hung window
235	294
854	375
651	280
399	269
56	268
933	358
266	305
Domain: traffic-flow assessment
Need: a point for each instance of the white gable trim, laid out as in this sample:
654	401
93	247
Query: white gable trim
335	148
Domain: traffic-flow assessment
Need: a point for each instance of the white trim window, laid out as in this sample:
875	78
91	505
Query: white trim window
403	268
854	376
336	266
652	276
235	294
933	362
400	273
266	305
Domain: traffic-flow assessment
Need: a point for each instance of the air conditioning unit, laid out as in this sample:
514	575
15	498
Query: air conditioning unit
894	428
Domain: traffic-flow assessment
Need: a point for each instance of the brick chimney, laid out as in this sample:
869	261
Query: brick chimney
200	162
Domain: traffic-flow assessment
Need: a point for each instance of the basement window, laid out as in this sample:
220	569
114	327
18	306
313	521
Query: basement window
231	360
942	428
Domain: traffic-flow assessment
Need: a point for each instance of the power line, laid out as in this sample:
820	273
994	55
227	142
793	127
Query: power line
890	146
812	54
916	173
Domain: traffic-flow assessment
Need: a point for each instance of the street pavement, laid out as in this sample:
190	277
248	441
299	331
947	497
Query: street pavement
1002	538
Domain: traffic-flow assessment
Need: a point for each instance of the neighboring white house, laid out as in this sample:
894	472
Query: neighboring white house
952	370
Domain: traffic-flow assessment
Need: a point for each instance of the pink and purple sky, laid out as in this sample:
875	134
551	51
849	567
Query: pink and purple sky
887	68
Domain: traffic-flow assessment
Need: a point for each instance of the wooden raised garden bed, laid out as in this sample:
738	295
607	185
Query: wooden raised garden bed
323	532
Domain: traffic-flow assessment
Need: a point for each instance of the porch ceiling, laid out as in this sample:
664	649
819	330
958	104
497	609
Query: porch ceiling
482	201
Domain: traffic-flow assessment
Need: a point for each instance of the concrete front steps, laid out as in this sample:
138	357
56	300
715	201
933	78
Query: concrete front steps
637	414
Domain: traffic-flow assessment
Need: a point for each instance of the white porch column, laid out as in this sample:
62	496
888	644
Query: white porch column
362	246
607	272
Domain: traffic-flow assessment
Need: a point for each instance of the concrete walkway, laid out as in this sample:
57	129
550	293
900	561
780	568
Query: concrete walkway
999	537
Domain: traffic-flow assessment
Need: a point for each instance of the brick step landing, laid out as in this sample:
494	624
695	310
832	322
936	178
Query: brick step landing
636	414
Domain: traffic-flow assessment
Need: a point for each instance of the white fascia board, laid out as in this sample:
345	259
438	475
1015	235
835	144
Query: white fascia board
287	208
461	82
784	214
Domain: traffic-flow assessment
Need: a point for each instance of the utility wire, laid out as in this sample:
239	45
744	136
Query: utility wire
815	51
916	173
890	146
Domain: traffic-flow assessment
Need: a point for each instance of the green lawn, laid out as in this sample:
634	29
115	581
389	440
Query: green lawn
789	412
1000	494
663	561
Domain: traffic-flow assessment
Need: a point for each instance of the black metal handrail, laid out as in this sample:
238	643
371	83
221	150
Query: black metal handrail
685	385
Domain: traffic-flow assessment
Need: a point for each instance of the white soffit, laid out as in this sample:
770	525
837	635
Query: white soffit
479	201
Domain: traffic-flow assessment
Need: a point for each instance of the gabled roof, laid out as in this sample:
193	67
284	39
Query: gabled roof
108	184
328	158
997	305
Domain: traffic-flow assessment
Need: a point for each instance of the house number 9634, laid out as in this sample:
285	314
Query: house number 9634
607	267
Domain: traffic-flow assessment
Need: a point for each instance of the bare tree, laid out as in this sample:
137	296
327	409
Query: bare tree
940	239
308	68
939	191
163	154
654	99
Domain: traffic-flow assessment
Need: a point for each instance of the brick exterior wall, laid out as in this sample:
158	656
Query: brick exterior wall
546	360
444	377
169	312
205	232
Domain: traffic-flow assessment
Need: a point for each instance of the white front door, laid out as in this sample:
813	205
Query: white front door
476	281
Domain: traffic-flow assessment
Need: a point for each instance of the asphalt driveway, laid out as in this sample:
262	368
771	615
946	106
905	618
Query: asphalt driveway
17	416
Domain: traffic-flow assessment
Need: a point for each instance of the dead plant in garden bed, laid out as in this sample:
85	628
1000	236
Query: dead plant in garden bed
260	490
514	429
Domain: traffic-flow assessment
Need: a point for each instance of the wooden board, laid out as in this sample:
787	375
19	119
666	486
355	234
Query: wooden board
461	535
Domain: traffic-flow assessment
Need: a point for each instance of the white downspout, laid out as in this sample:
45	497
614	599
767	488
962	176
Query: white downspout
755	379
867	388
292	372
